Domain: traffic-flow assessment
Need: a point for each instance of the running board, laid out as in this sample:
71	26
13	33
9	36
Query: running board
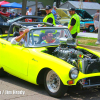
85	86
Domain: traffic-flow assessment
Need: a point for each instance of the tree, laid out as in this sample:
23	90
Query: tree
57	3
24	3
36	6
64	1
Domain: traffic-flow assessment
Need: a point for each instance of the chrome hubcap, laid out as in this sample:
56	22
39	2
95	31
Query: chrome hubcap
53	81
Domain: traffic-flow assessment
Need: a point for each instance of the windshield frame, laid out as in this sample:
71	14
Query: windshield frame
48	44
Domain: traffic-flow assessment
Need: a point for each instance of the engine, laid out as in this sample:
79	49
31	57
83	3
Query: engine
79	58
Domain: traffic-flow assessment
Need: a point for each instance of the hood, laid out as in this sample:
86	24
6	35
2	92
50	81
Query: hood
83	14
62	13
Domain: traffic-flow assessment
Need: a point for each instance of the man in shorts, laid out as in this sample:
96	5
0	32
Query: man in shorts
96	21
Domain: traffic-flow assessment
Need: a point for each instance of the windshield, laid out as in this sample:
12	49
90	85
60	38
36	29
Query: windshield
12	20
47	37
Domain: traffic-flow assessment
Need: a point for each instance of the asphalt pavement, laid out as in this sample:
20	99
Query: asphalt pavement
88	34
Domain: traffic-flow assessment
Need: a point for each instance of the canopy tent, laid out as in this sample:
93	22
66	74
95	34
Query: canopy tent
13	5
3	2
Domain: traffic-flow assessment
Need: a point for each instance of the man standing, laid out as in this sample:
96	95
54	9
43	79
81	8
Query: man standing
74	23
96	21
49	17
54	12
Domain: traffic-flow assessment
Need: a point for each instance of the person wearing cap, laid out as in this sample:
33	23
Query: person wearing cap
74	23
54	12
49	17
20	38
48	38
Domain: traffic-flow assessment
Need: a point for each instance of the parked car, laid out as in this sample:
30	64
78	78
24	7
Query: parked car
58	65
5	14
5	24
86	20
63	16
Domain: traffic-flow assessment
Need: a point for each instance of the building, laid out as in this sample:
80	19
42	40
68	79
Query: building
90	7
44	2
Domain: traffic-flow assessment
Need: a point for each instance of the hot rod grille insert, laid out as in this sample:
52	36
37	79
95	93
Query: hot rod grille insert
90	82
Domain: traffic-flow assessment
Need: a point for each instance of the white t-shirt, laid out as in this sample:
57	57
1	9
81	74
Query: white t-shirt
29	13
21	42
13	41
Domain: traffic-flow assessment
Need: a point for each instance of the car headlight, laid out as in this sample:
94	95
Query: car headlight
73	74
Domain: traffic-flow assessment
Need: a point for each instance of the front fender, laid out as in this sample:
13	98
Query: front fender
40	61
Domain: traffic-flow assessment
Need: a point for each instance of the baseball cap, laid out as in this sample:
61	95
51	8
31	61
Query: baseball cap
71	9
22	29
48	7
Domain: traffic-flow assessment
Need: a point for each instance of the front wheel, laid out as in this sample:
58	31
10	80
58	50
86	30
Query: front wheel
54	85
91	28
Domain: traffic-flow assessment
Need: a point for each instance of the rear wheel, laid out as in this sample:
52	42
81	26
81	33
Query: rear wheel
91	28
54	85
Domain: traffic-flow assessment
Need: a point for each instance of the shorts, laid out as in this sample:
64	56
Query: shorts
96	23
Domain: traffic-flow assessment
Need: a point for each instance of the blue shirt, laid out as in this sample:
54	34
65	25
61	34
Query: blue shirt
54	12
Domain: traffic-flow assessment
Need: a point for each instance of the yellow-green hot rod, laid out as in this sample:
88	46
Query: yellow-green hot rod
57	64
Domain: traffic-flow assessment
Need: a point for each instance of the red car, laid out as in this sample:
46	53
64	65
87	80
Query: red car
5	14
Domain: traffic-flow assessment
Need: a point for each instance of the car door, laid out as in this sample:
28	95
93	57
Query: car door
15	57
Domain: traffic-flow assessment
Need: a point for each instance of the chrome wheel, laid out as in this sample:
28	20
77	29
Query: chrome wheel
91	28
53	81
53	84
